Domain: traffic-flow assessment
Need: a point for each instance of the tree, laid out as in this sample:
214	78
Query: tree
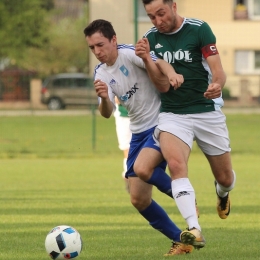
34	39
66	50
23	25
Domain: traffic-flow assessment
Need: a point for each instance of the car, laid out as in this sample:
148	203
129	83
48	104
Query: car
61	90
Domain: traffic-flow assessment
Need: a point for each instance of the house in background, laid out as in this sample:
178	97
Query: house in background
18	87
236	24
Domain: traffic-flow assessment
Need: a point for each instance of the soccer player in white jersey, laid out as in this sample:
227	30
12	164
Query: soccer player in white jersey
121	73
192	112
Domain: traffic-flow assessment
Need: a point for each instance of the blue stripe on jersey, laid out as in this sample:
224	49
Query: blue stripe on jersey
126	46
123	46
154	58
96	68
132	47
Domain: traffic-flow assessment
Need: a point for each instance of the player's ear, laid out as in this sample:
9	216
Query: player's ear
114	39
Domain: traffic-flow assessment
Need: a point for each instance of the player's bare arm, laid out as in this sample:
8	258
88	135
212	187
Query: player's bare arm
142	50
175	79
105	106
218	77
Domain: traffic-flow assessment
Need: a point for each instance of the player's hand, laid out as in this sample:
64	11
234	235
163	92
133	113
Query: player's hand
214	91
101	88
142	49
175	80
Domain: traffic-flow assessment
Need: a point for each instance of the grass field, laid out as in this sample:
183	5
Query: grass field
52	172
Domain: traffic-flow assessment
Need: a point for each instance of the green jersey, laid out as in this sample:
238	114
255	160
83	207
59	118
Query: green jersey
186	50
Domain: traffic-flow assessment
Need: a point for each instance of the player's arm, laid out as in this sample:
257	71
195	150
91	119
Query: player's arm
142	50
175	79
106	106
218	75
210	53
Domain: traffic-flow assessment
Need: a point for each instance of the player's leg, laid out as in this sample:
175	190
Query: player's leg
150	166
225	179
141	199
123	137
145	167
125	153
213	139
175	136
140	194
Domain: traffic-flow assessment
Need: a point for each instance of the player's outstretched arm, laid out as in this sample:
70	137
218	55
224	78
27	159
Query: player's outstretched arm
142	50
218	77
174	79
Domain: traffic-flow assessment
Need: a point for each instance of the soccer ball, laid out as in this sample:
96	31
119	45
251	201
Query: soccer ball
63	242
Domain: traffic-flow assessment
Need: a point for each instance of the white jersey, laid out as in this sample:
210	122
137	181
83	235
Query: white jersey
128	80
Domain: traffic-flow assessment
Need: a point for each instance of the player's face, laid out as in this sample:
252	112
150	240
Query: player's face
163	16
104	49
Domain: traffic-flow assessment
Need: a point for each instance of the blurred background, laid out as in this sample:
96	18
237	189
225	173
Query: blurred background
40	39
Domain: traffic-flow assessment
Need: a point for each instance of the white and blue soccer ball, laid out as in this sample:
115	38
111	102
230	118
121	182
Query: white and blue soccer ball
63	242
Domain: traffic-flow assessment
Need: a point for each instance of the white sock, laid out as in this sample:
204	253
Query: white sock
184	196
223	191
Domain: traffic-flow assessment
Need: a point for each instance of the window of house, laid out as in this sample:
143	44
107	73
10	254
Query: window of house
247	62
142	16
247	9
257	59
254	9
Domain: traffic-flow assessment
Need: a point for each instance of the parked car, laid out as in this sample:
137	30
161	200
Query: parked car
64	89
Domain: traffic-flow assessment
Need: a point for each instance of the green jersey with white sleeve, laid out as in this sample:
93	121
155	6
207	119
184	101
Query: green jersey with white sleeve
186	50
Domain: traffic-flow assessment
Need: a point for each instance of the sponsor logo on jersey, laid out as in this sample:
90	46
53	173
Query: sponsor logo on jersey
112	82
158	45
129	93
124	70
170	57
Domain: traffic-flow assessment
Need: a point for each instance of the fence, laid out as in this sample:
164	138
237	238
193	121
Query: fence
15	85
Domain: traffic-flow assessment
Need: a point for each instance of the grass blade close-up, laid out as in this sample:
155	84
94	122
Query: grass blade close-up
63	170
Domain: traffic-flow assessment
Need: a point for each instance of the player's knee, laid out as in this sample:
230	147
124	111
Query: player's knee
227	180
177	168
140	203
142	171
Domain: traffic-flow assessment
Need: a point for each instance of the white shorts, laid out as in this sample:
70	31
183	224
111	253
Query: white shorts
123	132
208	129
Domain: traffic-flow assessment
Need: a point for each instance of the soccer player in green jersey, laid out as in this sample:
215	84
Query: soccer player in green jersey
191	112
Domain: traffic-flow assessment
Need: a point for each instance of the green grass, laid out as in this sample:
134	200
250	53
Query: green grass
50	175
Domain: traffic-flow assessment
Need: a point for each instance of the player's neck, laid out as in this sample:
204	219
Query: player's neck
179	22
113	58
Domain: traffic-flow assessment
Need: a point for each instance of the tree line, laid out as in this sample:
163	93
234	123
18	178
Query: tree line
33	38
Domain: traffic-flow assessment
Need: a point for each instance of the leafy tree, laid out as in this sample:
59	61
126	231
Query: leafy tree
23	24
65	51
34	39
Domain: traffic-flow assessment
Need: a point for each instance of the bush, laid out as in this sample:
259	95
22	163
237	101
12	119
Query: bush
226	93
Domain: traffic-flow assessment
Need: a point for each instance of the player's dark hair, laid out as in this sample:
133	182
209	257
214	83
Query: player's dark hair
146	2
102	26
